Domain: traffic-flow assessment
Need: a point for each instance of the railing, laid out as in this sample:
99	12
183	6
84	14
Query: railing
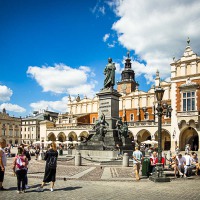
78	127
187	113
146	123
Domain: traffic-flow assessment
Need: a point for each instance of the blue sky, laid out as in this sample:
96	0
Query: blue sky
50	49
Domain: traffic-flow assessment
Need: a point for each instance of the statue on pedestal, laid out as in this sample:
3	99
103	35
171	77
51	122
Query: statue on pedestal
109	73
101	126
122	128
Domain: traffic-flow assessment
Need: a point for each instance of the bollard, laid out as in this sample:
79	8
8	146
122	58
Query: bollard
125	160
78	159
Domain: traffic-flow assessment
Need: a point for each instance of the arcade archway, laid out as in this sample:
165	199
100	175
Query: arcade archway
51	137
189	136
166	139
143	135
61	137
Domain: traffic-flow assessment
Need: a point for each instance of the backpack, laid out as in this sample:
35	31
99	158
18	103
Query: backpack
27	154
52	162
20	162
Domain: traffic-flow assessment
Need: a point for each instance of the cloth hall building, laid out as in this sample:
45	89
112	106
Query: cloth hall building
138	108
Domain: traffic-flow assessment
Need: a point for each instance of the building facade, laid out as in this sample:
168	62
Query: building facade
30	127
138	108
10	128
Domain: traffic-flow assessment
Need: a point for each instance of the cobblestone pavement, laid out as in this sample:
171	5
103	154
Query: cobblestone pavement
91	182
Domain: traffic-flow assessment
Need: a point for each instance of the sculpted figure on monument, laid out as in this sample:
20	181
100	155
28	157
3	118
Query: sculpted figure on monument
101	126
122	128
109	73
119	125
125	130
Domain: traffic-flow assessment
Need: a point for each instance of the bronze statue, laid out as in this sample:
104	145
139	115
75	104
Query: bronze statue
122	128
101	126
109	73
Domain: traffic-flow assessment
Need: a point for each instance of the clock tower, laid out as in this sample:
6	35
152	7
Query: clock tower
127	83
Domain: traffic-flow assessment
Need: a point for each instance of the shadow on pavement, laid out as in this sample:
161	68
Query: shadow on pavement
68	188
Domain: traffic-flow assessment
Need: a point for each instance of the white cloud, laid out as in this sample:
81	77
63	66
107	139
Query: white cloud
99	9
157	31
106	36
63	79
57	106
111	45
12	107
5	93
118	68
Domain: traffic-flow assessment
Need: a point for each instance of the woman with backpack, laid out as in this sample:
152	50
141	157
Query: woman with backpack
20	169
50	169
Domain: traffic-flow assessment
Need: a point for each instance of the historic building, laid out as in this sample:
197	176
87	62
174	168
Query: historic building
30	127
138	108
10	128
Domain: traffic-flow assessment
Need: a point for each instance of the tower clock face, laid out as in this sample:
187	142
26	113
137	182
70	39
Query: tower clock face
124	86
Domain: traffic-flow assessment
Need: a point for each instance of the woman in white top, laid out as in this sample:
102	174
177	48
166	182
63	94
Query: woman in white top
2	162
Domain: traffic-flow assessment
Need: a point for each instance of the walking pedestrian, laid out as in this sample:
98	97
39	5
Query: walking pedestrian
2	162
137	158
20	169
50	169
37	152
28	156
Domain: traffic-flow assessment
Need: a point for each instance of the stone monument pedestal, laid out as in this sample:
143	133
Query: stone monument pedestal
109	107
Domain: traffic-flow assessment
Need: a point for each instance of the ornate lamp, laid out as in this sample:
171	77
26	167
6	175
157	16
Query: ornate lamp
159	93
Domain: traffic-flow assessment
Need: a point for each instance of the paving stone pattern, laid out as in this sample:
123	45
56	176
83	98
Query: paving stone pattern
87	183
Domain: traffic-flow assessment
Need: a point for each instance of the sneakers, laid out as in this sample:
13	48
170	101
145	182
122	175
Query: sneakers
27	187
39	189
51	189
23	191
18	192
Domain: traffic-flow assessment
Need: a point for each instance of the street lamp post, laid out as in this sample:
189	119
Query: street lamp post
164	109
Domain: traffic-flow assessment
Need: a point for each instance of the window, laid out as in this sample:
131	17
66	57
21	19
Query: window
93	120
131	117
10	132
146	117
188	101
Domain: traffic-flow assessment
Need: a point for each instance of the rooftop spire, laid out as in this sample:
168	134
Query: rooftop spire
188	41
128	54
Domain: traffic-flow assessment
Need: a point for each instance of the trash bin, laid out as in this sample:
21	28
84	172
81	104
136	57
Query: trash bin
60	152
146	167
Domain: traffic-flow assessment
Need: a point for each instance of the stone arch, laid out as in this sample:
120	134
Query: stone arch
182	124
192	123
72	136
166	139
61	137
16	141
83	135
10	141
143	135
51	137
188	135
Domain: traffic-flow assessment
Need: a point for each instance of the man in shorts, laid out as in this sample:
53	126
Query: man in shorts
137	159
2	162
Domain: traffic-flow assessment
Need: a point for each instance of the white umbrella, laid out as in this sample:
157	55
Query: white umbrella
58	142
67	142
37	142
76	142
149	142
47	142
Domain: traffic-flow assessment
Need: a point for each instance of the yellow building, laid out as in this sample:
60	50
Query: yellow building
10	128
